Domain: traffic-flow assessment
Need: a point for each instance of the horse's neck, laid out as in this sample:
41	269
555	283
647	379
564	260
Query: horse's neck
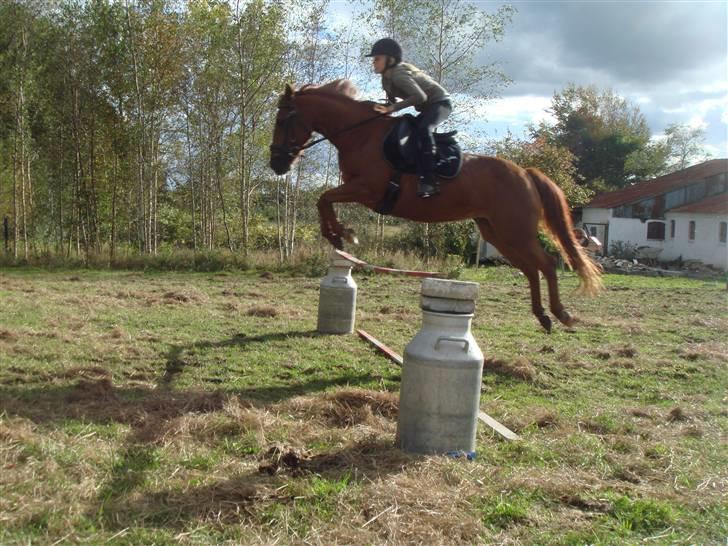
330	116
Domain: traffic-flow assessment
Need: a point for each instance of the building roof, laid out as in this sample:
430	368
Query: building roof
716	204
657	186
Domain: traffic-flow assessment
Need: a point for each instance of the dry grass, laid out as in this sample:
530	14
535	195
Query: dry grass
265	311
518	368
131	416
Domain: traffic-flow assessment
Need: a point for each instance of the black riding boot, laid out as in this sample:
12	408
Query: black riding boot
428	185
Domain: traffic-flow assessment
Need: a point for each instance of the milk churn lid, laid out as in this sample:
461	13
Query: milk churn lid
453	290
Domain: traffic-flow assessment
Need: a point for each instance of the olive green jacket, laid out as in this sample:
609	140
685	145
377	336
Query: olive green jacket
411	84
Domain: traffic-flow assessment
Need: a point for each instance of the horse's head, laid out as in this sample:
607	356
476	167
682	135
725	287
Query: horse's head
290	134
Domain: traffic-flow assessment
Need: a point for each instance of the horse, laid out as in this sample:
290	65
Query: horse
508	203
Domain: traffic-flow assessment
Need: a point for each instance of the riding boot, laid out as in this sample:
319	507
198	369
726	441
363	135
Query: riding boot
428	185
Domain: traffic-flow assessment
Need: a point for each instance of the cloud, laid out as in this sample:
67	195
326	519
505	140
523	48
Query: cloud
670	58
516	110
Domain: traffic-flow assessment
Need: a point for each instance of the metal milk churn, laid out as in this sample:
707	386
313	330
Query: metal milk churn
337	299
442	373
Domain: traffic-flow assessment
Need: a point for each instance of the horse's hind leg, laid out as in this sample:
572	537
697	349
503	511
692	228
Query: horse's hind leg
547	265
517	258
548	268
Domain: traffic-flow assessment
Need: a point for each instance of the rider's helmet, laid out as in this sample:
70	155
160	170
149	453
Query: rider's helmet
389	47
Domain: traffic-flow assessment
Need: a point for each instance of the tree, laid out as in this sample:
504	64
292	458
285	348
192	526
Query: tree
685	146
600	128
648	161
556	162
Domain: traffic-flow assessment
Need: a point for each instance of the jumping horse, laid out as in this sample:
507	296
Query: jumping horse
508	203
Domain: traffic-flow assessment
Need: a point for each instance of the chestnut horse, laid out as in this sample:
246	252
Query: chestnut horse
507	202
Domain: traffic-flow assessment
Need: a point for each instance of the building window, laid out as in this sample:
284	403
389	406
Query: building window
691	230
723	232
672	229
656	231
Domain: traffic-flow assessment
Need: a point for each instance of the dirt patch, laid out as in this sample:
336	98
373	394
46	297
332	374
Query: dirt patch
518	368
281	457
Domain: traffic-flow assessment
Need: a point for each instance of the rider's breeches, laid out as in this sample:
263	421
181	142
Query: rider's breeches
432	116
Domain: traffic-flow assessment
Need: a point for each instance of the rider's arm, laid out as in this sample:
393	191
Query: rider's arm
405	83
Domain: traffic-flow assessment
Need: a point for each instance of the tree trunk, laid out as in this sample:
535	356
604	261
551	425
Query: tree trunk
141	200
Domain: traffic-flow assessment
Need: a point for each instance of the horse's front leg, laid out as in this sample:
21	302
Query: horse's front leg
331	228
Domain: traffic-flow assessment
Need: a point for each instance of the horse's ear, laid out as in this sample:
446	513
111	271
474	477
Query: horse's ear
289	90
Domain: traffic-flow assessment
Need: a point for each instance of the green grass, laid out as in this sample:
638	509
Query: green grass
203	408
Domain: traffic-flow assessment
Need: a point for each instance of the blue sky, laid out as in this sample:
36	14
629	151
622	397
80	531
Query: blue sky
670	58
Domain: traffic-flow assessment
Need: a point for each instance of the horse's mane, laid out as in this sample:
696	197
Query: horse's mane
336	88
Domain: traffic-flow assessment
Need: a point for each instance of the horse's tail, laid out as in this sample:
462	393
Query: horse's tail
558	224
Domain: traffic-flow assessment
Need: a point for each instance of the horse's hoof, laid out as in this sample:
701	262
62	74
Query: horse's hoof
566	318
545	322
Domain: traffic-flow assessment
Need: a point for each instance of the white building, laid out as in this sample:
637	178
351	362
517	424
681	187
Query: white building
680	215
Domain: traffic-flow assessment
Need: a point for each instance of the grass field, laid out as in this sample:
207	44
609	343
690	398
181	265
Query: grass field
202	408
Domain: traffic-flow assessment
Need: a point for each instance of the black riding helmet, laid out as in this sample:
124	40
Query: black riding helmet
387	46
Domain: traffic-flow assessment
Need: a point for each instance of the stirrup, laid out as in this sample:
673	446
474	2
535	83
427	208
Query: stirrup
427	188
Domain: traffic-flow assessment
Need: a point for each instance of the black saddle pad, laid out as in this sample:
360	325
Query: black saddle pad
401	149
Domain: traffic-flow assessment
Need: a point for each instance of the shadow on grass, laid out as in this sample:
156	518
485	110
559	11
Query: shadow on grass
94	397
150	410
252	497
176	364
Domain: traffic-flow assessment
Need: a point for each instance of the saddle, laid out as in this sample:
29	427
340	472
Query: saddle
401	150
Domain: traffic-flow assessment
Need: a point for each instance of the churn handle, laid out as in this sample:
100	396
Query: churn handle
453	339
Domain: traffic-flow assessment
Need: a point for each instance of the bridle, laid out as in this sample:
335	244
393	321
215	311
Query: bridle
289	149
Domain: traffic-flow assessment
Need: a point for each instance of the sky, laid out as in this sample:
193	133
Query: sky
668	57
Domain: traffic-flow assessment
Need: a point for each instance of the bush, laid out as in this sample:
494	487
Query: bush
623	250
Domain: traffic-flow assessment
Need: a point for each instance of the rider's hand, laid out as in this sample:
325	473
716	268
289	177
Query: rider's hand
383	108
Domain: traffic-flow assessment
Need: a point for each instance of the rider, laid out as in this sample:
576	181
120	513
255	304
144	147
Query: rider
416	88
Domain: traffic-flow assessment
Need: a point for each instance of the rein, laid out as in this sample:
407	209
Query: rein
340	131
290	150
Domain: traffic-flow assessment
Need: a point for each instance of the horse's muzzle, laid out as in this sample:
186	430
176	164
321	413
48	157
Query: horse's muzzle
279	165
